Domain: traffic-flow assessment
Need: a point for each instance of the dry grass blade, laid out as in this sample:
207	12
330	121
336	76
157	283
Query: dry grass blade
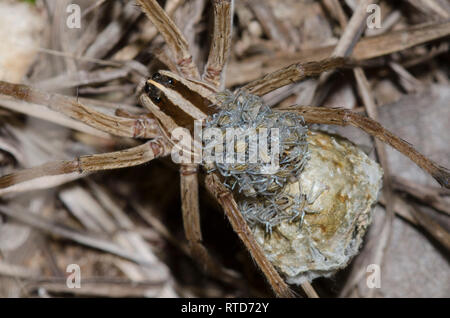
414	214
42	112
272	27
366	48
430	7
432	227
335	9
63	232
425	194
17	271
353	30
80	78
371	108
96	287
113	32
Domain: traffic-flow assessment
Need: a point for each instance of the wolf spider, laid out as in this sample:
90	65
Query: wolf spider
177	99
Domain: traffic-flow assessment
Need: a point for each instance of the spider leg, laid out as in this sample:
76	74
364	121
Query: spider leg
292	73
173	37
192	228
220	47
115	125
237	221
89	163
344	117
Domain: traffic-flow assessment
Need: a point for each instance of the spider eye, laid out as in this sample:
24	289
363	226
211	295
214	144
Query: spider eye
155	97
147	88
156	77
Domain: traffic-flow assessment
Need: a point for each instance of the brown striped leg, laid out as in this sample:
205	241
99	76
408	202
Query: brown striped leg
192	228
344	117
119	126
173	37
113	160
221	42
226	200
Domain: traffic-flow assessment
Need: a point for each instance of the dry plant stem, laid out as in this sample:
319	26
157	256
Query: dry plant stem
105	41
113	160
353	30
93	7
172	35
17	271
350	36
239	225
309	290
412	213
430	7
191	222
158	226
114	125
335	9
42	112
415	215
366	48
221	42
432	227
425	194
290	74
94	287
371	108
270	24
48	226
344	117
400	40
401	208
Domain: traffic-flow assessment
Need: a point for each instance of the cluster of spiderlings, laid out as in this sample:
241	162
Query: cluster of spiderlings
266	205
271	211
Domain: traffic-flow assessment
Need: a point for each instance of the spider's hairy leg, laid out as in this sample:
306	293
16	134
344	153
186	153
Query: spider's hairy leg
237	221
90	163
172	35
221	42
292	73
191	223
344	117
115	125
